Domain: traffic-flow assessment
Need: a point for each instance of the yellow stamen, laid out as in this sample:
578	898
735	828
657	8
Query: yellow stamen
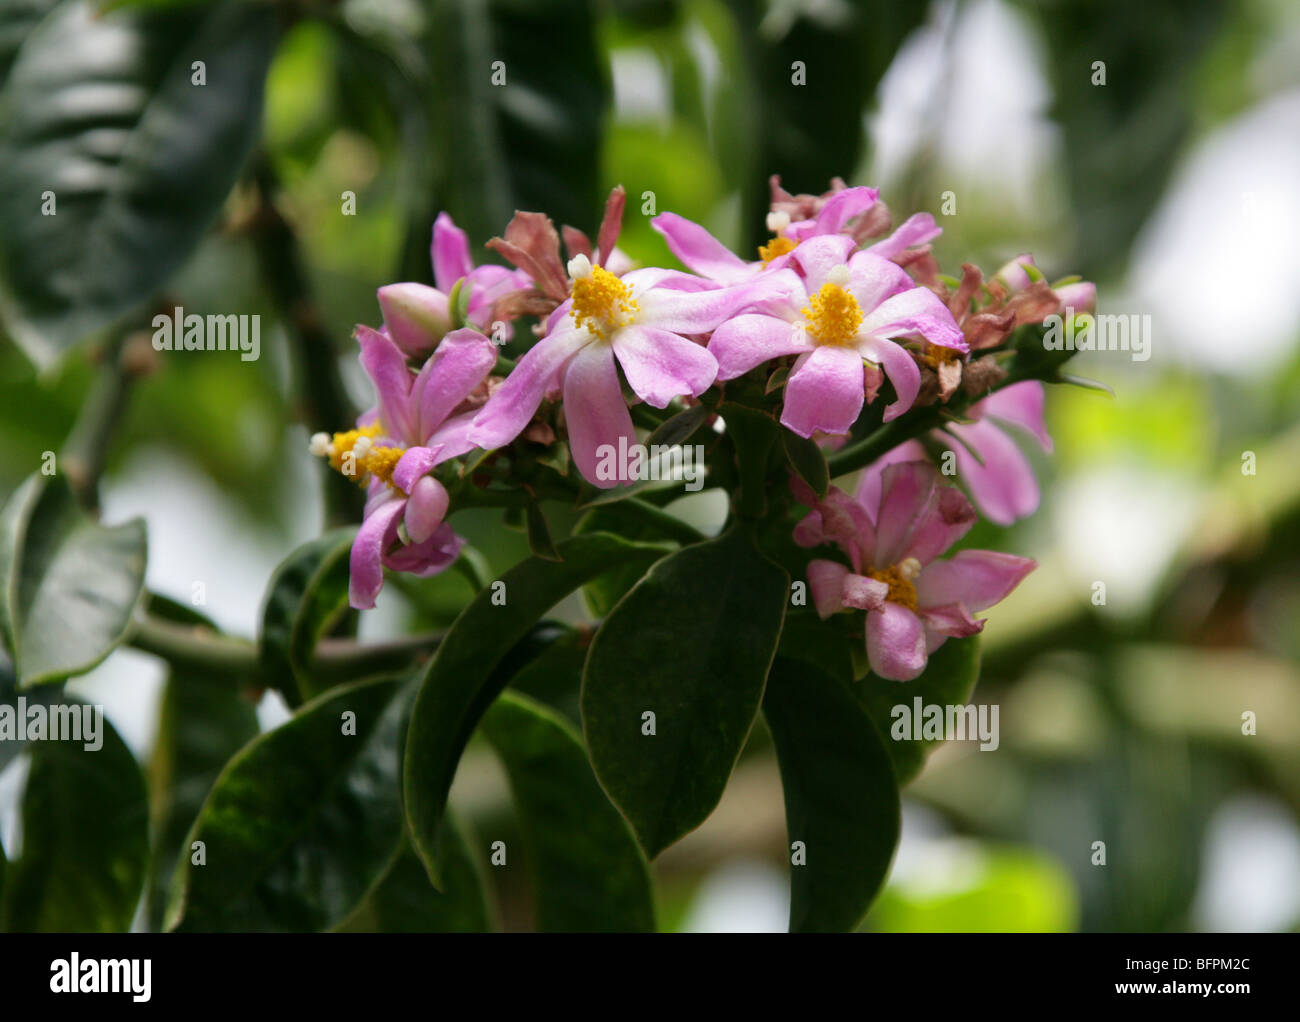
936	354
833	315
778	246
354	455
343	444
381	461
901	588
602	303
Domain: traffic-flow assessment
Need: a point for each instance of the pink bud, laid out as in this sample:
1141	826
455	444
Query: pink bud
415	315
1081	297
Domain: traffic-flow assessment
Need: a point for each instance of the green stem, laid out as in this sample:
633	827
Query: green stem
670	525
194	645
85	452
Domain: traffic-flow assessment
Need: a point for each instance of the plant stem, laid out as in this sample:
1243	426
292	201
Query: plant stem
85	451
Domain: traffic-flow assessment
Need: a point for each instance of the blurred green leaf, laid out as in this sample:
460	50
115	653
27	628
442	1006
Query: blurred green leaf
841	797
101	111
692	643
71	583
589	871
85	827
302	822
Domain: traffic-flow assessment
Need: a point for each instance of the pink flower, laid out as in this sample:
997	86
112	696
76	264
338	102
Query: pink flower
420	421
913	601
643	321
417	316
846	309
1003	487
706	255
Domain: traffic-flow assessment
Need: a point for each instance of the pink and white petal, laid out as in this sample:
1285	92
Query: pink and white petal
895	643
435	554
872	279
1021	404
450	253
901	369
906	490
977	579
426	507
917	229
414	463
365	563
843	206
459	364
868	490
863	592
826	582
385	364
1004	486
698	312
594	410
915	311
818	256
700	250
846	522
452	438
809	531
513	405
946	517
953	620
824	392
660	366
747	341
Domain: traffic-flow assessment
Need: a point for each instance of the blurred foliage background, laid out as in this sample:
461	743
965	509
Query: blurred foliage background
1170	182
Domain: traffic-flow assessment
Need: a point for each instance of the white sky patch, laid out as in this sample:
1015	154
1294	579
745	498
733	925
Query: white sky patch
741	897
1250	877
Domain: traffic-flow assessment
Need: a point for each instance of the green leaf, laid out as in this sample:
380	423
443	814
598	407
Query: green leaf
85	828
101	111
301	823
841	798
589	871
475	661
808	461
202	724
680	427
692	643
948	680
403	900
72	583
539	534
307	595
554	675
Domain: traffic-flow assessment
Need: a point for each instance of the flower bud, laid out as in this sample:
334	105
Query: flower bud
415	316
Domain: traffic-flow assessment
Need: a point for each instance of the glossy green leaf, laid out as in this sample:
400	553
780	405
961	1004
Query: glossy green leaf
539	534
403	900
589	871
45	695
72	583
307	595
203	723
690	643
475	661
101	111
554	675
807	460
301	823
85	845
841	798
679	428
948	680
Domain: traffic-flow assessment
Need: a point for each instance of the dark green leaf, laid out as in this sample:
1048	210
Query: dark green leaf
301	823
589	871
949	680
841	797
85	828
101	111
72	583
539	534
473	664
808	461
680	427
691	643
306	596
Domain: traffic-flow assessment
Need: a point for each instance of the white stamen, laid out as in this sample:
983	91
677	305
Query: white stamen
778	221
579	267
319	445
362	447
909	567
839	275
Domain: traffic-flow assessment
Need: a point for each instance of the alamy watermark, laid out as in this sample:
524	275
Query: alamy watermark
62	722
628	463
1129	332
935	722
181	332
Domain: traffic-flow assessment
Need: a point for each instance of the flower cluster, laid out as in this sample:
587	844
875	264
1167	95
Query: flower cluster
836	313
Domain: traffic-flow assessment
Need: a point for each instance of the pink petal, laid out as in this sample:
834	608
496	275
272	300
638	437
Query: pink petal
906	491
365	563
824	392
895	643
863	592
1021	404
698	312
915	230
701	251
747	341
415	316
452	438
901	369
509	410
868	490
953	621
915	311
660	366
945	518
1004	486
1014	273
1077	298
385	364
450	253
425	508
977	579
435	554
818	256
456	368
414	463
595	410
843	206
826	582
872	279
